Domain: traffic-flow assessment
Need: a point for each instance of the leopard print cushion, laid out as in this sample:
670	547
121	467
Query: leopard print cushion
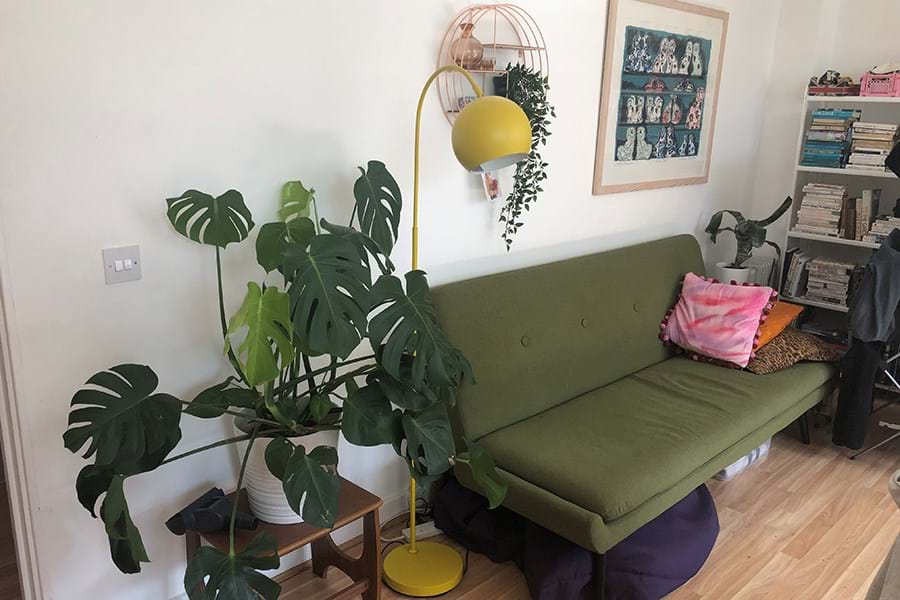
789	347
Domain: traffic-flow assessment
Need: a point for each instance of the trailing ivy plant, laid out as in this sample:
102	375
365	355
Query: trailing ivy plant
336	292
527	88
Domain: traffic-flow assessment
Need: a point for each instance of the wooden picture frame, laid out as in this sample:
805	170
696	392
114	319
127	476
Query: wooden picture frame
662	68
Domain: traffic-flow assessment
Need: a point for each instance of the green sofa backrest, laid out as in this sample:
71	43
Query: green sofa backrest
540	336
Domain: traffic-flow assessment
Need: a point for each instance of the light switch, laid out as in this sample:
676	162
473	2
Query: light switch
121	264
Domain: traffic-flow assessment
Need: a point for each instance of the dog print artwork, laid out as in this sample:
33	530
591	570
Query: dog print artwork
662	66
661	97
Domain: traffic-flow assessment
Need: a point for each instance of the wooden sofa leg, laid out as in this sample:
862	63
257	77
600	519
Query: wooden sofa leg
803	422
599	576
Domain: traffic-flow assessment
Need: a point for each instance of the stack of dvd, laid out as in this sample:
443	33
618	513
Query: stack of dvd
881	228
871	143
828	139
828	281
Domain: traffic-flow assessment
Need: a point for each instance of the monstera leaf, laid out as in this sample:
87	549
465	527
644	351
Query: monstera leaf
407	326
234	576
207	220
267	318
484	472
330	294
125	544
365	245
295	201
320	406
129	427
429	441
401	392
378	204
310	482
215	400
274	237
367	418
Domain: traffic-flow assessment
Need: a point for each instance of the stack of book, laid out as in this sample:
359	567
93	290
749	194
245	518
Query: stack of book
828	281
828	139
820	209
865	211
881	228
795	273
870	145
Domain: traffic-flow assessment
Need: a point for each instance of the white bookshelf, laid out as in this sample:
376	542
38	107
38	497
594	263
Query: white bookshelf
851	100
885	110
846	172
800	235
816	304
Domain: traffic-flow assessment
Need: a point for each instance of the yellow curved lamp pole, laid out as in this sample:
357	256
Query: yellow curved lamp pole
489	133
478	93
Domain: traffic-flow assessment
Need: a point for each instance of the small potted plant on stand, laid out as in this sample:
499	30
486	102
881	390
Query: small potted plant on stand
327	292
749	234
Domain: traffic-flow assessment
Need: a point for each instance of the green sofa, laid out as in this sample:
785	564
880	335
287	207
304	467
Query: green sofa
595	426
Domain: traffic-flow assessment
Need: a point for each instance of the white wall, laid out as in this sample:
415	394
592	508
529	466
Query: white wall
814	35
107	107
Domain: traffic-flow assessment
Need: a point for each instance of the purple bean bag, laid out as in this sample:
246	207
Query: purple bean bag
650	563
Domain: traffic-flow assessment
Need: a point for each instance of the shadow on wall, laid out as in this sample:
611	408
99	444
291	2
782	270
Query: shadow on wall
547	254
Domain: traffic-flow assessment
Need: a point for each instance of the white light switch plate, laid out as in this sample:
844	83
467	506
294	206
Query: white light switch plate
122	264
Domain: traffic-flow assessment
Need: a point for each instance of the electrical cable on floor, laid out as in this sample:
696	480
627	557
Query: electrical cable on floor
389	544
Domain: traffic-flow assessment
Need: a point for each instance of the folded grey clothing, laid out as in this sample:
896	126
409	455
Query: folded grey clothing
876	304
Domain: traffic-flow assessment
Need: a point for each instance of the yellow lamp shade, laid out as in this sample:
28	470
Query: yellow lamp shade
491	133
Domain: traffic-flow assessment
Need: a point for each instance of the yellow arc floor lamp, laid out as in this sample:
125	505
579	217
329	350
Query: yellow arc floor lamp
488	134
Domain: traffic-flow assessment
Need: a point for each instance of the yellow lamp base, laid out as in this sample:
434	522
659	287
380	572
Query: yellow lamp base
433	569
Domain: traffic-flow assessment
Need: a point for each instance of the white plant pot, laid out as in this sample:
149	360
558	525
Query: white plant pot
264	490
727	274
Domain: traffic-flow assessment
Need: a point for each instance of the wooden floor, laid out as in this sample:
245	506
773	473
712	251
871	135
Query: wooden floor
9	574
805	524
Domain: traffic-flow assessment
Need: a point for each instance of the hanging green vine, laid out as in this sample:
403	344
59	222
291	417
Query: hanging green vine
527	88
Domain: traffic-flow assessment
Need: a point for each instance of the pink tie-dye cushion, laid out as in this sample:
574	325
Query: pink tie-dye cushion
718	320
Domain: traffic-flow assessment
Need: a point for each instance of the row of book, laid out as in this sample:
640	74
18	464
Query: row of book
870	145
826	209
827	142
819	278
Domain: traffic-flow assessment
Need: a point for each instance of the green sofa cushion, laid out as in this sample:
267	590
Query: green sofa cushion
612	449
541	336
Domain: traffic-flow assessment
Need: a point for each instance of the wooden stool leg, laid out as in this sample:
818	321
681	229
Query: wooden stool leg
365	571
371	556
321	554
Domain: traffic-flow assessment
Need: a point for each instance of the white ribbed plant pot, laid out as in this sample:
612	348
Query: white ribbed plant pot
264	490
727	274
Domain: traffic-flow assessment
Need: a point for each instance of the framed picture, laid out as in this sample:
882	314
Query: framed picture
661	72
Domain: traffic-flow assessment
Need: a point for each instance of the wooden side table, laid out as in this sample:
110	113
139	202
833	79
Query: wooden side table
353	503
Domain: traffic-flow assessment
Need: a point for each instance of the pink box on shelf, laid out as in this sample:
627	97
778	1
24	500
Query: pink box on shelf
880	85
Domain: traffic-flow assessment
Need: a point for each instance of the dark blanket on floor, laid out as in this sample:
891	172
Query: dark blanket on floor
650	563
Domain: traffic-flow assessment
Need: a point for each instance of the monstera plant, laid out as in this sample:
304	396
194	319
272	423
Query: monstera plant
749	234
325	292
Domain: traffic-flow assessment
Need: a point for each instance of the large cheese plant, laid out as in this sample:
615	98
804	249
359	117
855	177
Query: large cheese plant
326	292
